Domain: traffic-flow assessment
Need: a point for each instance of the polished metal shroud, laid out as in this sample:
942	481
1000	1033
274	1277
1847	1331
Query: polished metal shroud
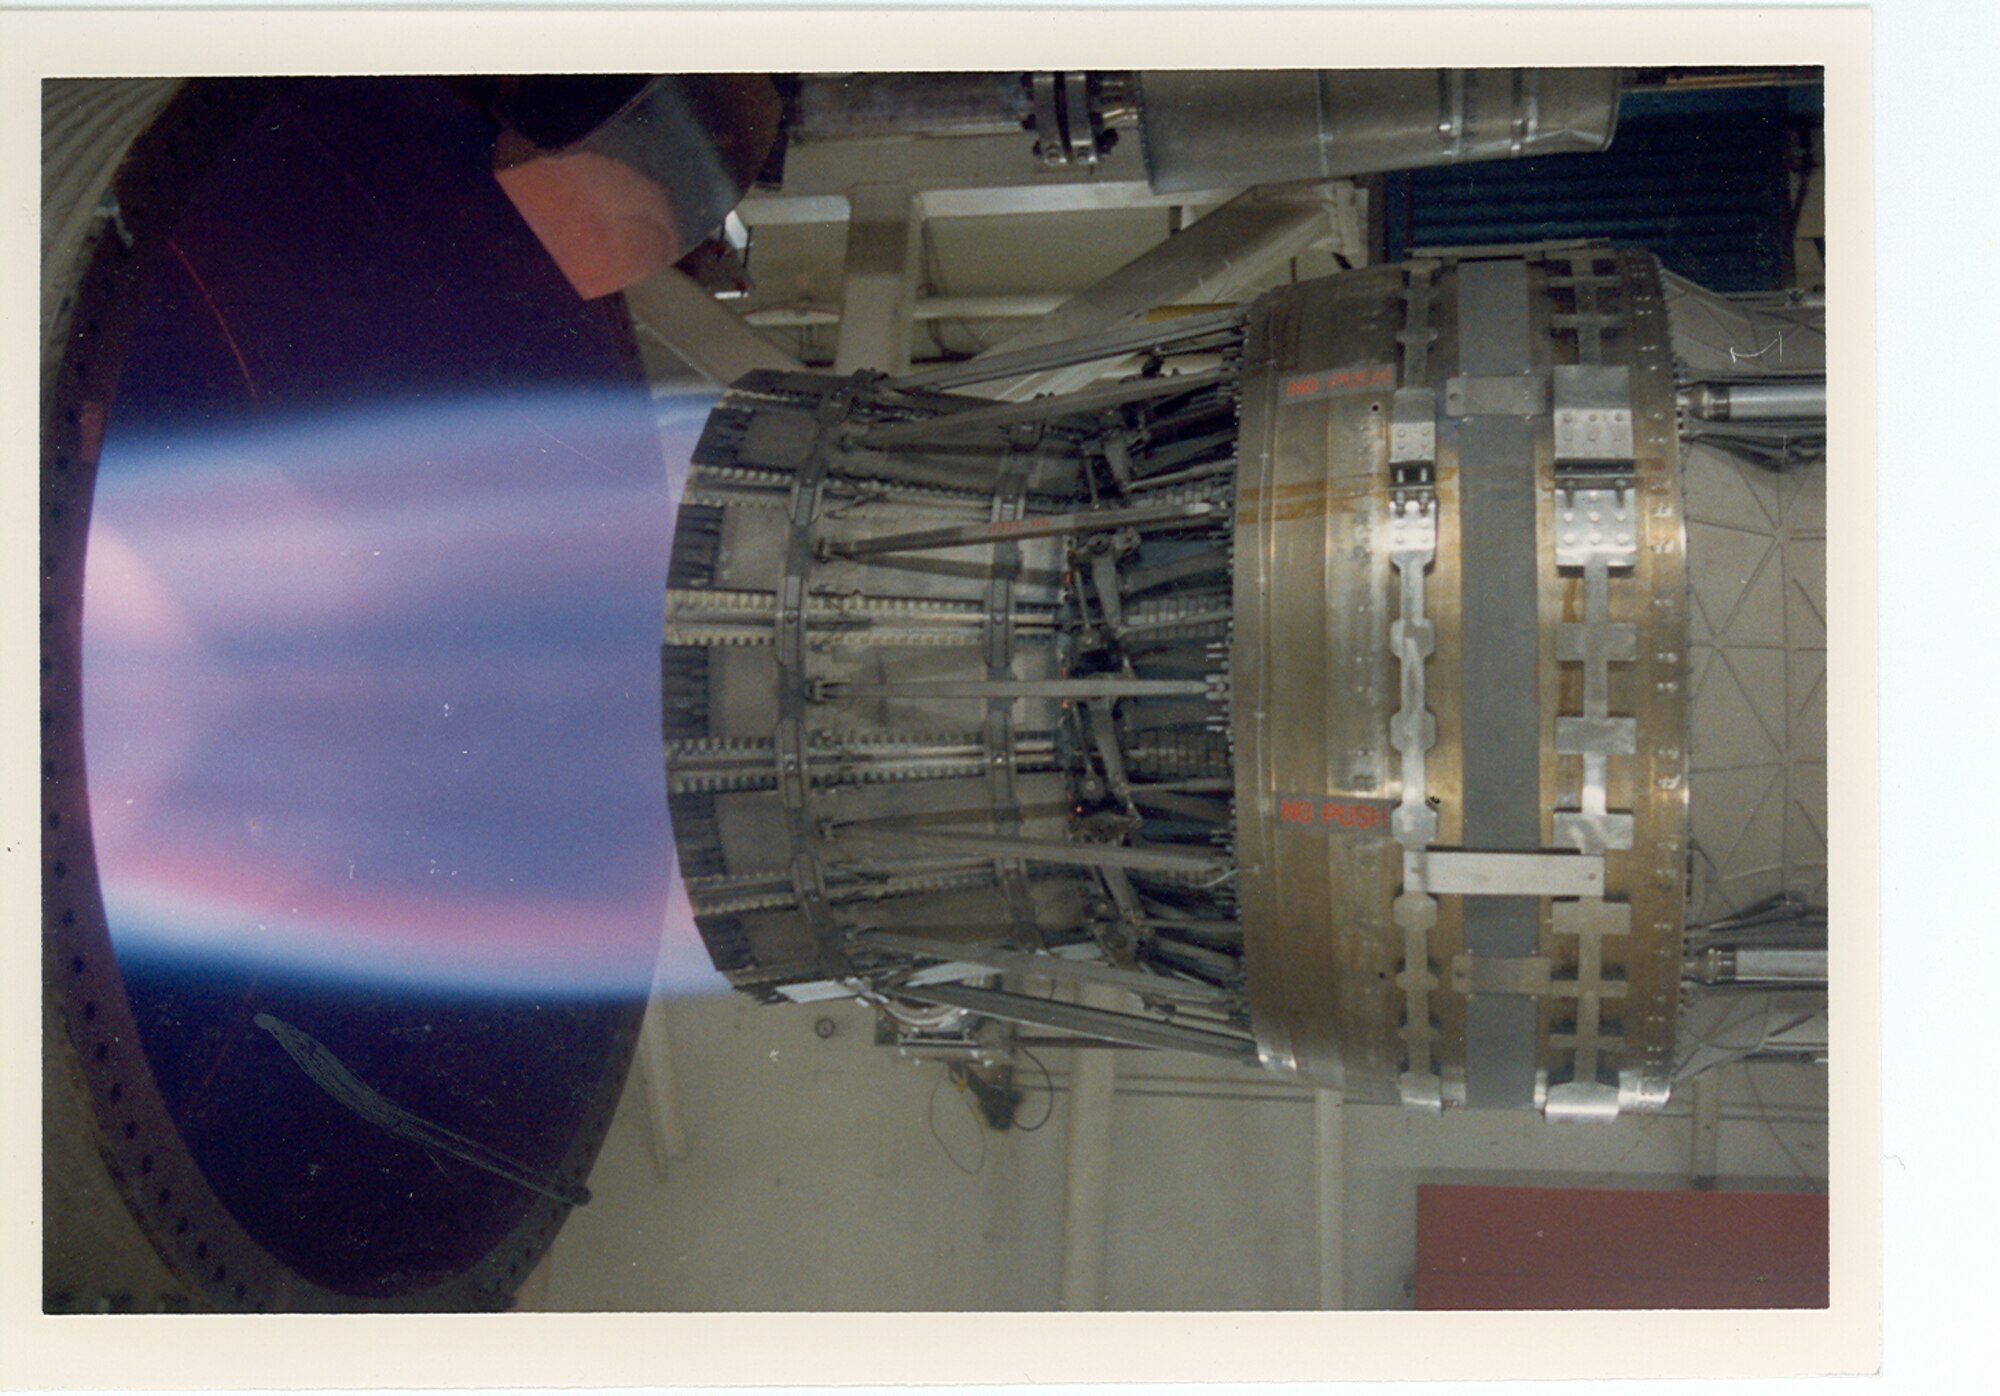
1473	619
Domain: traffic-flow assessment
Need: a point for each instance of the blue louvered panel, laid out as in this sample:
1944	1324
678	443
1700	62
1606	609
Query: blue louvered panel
1698	178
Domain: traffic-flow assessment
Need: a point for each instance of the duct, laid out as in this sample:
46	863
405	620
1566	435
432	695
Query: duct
874	106
1201	129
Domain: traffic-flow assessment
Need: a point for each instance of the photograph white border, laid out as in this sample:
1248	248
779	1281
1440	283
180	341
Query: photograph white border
537	1350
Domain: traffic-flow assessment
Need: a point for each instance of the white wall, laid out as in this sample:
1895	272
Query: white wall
812	1180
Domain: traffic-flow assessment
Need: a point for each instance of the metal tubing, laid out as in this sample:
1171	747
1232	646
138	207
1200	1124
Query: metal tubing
1041	409
1039	526
1133	339
1022	688
1085	855
1021	306
1215	260
1047	966
1782	400
1087	1021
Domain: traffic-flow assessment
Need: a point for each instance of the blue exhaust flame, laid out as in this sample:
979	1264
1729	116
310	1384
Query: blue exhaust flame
372	696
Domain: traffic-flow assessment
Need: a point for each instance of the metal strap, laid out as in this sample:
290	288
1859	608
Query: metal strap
1009	504
1597	533
1499	582
790	740
1413	639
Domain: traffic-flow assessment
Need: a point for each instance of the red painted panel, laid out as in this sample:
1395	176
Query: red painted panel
1595	1248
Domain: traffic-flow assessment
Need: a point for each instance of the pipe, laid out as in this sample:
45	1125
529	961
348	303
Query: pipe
878	106
1009	307
1204	129
1753	965
1781	400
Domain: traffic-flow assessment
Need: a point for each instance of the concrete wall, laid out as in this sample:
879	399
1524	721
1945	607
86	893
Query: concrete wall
813	1180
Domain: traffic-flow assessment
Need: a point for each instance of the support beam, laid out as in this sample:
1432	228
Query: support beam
709	335
879	291
1330	1172
1215	260
961	177
1087	1168
663	1096
1705	1162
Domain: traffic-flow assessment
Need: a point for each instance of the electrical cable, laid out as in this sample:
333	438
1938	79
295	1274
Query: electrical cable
1048	1089
930	1119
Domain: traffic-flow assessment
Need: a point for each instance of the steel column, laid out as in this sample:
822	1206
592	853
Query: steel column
1087	1168
699	328
879	291
1330	1174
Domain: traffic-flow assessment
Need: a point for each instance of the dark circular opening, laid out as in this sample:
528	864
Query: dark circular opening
346	263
